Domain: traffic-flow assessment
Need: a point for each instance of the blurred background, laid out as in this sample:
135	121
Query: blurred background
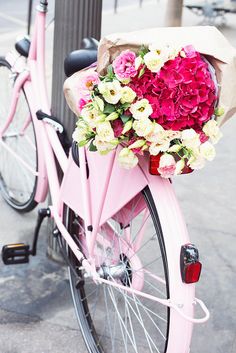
36	314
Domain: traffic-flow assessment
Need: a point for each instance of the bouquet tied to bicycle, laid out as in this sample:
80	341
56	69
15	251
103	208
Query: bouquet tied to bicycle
159	97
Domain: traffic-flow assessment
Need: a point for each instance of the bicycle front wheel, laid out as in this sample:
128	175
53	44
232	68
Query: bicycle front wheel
18	149
132	254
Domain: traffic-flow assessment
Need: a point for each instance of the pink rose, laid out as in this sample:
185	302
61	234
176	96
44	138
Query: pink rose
167	166
124	65
88	81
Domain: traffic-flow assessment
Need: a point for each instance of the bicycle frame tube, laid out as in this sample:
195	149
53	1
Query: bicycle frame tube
48	136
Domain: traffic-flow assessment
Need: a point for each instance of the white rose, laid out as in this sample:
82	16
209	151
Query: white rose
179	167
154	149
153	136
127	159
212	130
207	150
167	165
127	95
197	161
190	138
143	127
92	116
173	52
153	61
111	91
141	109
79	135
104	147
105	131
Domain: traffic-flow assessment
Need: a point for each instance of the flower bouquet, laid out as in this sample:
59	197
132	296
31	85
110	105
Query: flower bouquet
160	101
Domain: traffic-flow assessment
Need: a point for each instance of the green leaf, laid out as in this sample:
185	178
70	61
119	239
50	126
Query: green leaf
143	50
110	71
141	72
92	148
83	143
124	118
125	106
109	108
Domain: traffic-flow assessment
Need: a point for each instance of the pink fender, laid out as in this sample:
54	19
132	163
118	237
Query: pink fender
176	235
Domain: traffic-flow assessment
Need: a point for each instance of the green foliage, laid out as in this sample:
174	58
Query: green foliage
92	148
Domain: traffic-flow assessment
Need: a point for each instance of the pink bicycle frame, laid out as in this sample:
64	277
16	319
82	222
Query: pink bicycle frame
92	198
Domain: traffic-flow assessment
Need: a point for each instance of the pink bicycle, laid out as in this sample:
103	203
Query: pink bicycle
131	265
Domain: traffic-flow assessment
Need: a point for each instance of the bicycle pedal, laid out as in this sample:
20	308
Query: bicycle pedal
13	254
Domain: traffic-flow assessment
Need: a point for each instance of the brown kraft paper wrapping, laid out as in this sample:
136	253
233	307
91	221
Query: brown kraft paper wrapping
207	40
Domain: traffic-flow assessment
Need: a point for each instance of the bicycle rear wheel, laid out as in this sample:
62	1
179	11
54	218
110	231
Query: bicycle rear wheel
18	149
111	319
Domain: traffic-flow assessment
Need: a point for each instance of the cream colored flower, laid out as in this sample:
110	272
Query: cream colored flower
80	135
179	167
98	103
137	144
196	161
141	109
127	159
212	130
111	91
105	147
190	138
154	149
175	148
138	62
143	127
173	52
128	125
207	150
92	116
127	95
153	61
154	134
105	131
112	116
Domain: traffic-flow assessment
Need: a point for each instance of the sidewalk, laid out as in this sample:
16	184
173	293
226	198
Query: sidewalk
36	313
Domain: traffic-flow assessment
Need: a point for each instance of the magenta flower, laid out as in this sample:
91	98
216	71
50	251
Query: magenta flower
124	65
182	94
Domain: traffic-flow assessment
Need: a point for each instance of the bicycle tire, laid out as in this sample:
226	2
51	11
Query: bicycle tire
17	184
89	325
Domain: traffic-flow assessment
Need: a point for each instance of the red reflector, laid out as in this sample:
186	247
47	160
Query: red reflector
154	164
192	272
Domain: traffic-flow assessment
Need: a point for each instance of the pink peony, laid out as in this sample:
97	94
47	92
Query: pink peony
124	65
167	166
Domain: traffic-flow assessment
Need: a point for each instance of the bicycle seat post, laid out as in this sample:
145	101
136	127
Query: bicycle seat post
43	6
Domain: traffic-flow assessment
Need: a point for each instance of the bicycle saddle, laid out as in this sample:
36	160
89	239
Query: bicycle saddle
79	59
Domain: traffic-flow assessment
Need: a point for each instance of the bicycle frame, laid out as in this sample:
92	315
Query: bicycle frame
104	176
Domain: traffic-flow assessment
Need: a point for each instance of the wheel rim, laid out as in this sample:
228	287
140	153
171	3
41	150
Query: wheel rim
117	321
17	181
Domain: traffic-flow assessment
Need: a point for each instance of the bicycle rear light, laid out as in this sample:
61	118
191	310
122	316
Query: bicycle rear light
189	264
